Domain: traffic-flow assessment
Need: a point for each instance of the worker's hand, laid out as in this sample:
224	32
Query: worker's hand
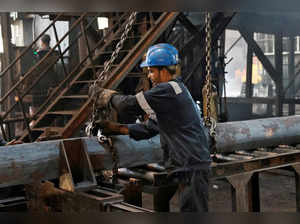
101	95
112	128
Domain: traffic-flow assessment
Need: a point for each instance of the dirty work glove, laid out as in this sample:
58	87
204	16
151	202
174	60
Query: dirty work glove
101	95
112	128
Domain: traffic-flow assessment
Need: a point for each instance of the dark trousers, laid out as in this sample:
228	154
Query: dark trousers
193	190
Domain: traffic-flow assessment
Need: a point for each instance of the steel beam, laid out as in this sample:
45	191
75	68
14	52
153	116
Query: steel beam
251	134
30	162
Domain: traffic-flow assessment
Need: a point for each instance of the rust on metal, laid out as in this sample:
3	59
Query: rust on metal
270	129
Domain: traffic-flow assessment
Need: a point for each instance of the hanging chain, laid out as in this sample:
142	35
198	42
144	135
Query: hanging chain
209	121
103	75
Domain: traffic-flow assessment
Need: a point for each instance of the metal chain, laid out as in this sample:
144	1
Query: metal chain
209	121
115	159
107	66
103	75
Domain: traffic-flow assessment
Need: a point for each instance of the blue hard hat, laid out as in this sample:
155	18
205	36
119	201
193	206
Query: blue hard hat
161	55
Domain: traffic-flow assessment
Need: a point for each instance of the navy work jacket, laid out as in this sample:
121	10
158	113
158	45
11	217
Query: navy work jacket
176	117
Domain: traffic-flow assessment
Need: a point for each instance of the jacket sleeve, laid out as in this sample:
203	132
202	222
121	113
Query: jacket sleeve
155	100
144	130
126	104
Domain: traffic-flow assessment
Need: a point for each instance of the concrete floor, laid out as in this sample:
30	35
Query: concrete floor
277	193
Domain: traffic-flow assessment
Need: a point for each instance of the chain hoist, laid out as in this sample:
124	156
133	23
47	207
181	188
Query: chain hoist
104	113
209	121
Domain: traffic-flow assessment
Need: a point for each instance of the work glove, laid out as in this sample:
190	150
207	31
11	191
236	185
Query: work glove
101	95
111	128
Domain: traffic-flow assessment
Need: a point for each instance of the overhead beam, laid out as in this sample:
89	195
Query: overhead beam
269	23
248	37
216	33
260	100
199	40
189	25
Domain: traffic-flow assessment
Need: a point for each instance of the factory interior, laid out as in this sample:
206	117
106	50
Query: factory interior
241	69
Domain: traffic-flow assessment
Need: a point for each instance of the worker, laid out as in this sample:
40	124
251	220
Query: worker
44	46
175	116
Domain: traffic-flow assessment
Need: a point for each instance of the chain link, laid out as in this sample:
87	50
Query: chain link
209	121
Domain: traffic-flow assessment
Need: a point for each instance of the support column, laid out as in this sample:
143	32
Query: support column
291	69
254	194
133	192
162	197
279	71
6	81
245	194
297	182
249	85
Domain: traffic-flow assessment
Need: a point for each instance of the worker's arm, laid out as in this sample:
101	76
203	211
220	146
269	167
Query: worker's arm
136	131
145	130
155	100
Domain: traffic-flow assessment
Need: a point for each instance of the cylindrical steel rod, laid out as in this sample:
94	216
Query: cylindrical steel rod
26	163
251	134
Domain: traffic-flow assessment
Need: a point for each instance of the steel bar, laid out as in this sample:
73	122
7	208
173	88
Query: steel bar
30	162
146	175
40	160
251	134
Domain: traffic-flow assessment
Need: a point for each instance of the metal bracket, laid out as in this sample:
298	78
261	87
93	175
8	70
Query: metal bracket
76	172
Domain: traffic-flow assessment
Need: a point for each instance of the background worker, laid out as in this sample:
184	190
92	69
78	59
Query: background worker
50	79
175	116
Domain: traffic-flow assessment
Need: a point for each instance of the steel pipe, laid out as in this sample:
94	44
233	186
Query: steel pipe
31	162
251	134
